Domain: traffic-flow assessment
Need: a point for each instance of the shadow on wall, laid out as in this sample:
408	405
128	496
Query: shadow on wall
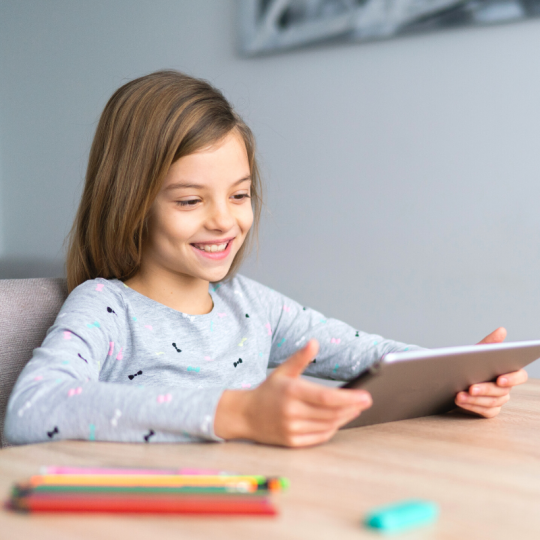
27	267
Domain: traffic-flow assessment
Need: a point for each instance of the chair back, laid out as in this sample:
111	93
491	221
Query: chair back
28	308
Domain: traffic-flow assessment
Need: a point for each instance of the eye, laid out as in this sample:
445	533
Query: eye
193	202
190	202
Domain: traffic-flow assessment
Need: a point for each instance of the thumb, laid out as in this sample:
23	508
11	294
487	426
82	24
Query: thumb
496	336
295	364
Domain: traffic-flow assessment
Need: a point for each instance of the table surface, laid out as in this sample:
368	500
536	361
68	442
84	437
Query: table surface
484	474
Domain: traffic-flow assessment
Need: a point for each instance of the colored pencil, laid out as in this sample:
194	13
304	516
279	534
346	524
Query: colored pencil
20	490
224	505
247	482
52	469
133	490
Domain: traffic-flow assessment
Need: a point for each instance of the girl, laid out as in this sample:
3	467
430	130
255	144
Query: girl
160	339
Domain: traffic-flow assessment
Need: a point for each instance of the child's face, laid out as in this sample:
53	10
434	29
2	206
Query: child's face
217	210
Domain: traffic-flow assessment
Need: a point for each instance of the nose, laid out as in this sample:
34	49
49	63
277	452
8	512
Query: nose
220	217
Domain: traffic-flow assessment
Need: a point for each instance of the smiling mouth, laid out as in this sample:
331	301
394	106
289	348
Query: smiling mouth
212	248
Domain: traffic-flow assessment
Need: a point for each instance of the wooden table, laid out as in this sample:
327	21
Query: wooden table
484	474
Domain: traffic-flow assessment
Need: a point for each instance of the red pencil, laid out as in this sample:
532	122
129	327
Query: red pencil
160	504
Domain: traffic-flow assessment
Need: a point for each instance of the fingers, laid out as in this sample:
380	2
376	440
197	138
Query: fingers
513	379
497	336
306	432
291	411
319	425
295	365
322	413
303	423
302	416
486	399
328	397
305	411
486	412
309	439
503	386
487	402
487	389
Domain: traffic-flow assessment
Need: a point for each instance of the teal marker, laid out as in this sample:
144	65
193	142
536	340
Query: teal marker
402	516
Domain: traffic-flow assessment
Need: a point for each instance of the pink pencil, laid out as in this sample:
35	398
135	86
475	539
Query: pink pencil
98	470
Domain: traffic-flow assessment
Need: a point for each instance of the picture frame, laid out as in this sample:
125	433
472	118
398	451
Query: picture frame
270	26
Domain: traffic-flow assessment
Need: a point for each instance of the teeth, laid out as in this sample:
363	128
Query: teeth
211	248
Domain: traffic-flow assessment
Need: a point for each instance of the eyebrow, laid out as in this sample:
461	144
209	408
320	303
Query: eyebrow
179	185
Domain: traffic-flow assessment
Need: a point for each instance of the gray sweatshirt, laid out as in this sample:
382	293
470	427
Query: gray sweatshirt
118	366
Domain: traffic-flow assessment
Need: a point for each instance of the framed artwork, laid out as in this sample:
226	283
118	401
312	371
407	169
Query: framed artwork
269	26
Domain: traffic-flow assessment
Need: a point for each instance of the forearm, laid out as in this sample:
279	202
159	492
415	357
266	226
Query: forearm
80	409
344	351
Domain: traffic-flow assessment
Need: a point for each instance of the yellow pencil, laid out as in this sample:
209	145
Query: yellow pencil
249	482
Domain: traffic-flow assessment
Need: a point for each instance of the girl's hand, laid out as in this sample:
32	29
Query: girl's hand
287	410
486	399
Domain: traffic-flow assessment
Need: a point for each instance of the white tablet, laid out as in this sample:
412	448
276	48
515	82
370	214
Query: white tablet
421	383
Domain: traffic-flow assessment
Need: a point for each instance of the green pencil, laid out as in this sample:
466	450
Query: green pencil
21	490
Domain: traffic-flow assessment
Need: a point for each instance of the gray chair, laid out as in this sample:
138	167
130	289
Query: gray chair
28	308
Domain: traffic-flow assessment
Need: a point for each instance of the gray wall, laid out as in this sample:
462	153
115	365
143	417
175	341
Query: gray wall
402	176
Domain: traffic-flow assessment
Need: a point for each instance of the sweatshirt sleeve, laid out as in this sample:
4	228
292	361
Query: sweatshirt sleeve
59	394
344	351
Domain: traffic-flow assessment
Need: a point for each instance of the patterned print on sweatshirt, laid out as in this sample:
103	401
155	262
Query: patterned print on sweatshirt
119	366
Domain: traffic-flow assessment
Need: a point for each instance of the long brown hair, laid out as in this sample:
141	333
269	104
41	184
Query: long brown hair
146	126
